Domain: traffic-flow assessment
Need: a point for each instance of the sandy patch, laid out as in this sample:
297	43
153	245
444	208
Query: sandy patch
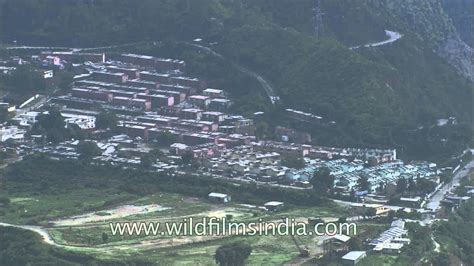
105	215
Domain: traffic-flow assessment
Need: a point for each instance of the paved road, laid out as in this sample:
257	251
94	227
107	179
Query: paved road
435	201
392	37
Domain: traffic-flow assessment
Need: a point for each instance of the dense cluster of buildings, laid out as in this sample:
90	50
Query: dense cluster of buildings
156	102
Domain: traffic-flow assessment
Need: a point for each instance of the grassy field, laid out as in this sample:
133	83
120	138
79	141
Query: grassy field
87	238
40	209
29	206
182	250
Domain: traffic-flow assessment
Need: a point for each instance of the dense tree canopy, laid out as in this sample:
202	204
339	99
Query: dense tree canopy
53	125
233	254
25	79
323	180
87	150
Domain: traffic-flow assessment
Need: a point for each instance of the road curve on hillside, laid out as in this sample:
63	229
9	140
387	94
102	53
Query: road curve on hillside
392	37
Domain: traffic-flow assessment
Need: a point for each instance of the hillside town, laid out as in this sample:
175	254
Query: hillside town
157	107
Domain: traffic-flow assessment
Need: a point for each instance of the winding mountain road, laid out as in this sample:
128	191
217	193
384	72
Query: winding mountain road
392	37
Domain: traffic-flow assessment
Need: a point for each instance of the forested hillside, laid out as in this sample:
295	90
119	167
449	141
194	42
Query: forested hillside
462	14
380	96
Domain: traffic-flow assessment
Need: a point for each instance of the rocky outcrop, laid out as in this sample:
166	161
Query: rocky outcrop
432	24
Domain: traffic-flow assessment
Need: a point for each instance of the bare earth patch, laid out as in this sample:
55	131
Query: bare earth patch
105	215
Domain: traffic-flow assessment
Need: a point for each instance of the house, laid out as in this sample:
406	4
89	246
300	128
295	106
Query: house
390	248
47	74
157	100
92	94
353	257
274	205
336	242
132	102
191	113
82	121
215	93
219	197
132	73
186	81
11	132
200	100
154	77
178	96
110	77
220	104
143	83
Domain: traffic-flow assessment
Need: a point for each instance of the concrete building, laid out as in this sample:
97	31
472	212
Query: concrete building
214	93
274	205
83	121
217	117
191	113
219	197
132	73
151	85
353	257
92	94
178	96
11	132
155	77
187	81
220	104
132	103
157	100
110	77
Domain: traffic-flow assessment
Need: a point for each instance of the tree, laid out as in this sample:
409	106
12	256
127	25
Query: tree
147	160
381	187
156	153
4	115
4	201
372	161
105	237
363	183
425	185
88	149
262	130
25	79
233	254
411	186
65	80
402	185
355	244
371	212
106	120
166	138
53	125
187	158
296	162
322	180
